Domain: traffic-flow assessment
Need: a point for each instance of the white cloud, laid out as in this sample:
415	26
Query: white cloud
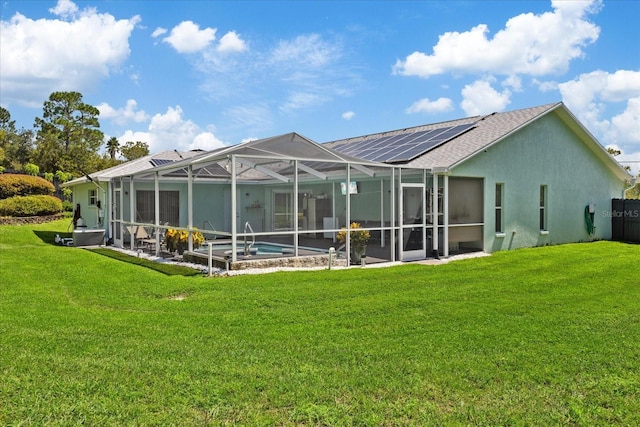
65	9
205	141
121	116
231	42
158	32
424	105
590	95
253	118
300	100
579	93
627	123
514	83
529	44
308	49
135	136
630	160
46	55
187	37
348	115
481	98
546	86
170	131
294	74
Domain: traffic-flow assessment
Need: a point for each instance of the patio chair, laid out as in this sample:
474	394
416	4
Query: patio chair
142	237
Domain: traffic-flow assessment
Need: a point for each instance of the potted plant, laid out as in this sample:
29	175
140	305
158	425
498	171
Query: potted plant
358	239
178	240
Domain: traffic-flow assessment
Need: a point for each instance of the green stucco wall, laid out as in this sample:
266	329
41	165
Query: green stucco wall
90	212
545	152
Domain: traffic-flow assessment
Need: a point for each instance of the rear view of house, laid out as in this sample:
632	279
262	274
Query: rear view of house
503	181
516	179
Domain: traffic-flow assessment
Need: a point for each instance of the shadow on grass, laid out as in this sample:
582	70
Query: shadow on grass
49	237
168	269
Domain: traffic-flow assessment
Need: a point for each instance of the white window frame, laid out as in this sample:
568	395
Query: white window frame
499	208
93	197
544	202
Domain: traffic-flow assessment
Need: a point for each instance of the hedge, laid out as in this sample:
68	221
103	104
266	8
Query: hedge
24	185
30	206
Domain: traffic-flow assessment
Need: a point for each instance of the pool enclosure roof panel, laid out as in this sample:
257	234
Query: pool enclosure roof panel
402	147
276	151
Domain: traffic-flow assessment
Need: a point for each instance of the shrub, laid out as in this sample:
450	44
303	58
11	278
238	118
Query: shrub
37	205
24	185
358	238
32	169
179	239
67	206
67	193
63	176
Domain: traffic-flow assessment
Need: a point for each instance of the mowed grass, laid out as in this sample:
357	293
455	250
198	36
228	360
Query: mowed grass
545	336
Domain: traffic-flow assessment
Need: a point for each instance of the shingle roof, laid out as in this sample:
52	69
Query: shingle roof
134	166
487	130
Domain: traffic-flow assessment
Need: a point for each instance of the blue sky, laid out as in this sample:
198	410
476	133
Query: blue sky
202	74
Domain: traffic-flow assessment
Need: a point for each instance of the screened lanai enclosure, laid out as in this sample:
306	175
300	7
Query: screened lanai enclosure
289	197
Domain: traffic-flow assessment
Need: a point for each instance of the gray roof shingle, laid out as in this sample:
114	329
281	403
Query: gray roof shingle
488	130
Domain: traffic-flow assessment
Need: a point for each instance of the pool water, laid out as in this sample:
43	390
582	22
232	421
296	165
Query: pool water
258	248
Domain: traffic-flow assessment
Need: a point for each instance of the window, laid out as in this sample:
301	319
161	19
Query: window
169	207
543	208
499	202
93	197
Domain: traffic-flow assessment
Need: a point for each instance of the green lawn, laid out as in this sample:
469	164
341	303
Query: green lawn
545	336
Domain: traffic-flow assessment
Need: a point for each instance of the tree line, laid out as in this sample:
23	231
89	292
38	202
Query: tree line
66	141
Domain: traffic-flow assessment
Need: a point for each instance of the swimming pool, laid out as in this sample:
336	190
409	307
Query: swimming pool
258	248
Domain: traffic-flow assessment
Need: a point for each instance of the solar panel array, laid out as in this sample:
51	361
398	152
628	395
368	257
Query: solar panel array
160	162
403	147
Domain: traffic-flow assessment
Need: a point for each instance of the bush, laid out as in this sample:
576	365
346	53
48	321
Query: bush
67	206
24	185
30	206
32	169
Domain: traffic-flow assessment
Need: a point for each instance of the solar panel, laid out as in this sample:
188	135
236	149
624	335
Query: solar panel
433	141
410	141
368	144
402	147
160	162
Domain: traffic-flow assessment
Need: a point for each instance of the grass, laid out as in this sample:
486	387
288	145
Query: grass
545	336
168	269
